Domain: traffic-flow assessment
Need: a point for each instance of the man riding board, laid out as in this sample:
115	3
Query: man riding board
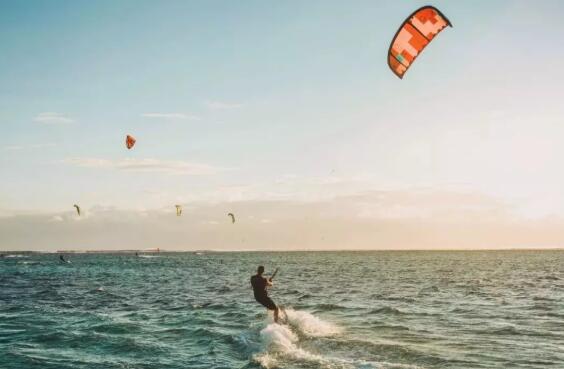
260	284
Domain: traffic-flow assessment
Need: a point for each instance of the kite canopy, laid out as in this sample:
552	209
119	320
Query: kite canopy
414	34
232	217
178	210
77	209
129	141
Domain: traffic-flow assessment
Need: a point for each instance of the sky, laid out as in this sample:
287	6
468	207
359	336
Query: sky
284	113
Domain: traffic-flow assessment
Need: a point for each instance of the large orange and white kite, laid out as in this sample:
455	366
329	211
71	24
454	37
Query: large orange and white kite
415	33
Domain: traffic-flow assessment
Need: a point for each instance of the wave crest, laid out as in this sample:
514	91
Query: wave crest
310	325
281	341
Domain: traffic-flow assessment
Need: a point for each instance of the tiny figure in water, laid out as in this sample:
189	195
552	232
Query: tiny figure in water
260	284
62	259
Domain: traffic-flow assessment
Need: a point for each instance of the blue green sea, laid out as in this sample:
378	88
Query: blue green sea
380	309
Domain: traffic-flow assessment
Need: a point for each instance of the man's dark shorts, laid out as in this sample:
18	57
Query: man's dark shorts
267	302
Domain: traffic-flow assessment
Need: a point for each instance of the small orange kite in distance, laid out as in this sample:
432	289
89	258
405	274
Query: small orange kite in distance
129	141
414	34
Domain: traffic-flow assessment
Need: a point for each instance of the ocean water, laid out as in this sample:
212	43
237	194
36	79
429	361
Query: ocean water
344	310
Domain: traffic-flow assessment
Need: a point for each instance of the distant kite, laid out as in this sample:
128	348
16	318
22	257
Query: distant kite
77	209
414	34
129	141
232	217
178	210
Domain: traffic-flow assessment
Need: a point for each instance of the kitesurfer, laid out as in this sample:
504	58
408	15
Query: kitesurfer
62	258
260	284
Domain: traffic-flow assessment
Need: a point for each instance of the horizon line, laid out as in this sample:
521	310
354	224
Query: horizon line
152	251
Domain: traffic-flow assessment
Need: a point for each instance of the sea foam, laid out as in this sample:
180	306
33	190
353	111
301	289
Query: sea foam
281	341
310	325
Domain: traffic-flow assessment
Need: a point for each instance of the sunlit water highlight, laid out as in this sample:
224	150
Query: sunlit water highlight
343	310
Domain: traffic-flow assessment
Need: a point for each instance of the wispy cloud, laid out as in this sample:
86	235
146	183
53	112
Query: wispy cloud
145	165
222	105
56	219
53	118
359	222
28	147
170	116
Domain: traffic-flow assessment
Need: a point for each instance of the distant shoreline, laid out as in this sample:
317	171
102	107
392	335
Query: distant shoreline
161	251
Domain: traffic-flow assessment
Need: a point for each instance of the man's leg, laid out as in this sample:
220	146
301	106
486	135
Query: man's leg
270	305
276	315
282	314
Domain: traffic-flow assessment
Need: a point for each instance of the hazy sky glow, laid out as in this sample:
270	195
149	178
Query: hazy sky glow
285	113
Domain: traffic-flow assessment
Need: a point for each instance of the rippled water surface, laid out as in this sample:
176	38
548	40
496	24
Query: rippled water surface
344	310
